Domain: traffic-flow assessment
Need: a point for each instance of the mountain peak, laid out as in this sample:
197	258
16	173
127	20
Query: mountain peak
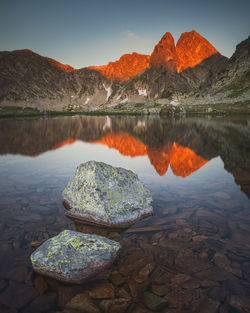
192	49
164	54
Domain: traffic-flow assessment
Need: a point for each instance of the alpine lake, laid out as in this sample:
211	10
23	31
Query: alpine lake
192	255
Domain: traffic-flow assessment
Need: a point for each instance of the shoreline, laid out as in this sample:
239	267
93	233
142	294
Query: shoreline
166	110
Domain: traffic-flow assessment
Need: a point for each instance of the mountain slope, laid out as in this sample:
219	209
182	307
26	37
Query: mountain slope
127	67
30	79
233	84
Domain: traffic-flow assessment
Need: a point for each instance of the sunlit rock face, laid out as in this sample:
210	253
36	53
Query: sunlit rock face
127	67
74	257
105	195
124	143
160	158
192	49
164	54
182	160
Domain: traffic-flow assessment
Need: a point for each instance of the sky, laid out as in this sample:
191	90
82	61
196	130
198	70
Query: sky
94	32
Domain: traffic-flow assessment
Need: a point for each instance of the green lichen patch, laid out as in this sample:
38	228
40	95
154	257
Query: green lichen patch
107	194
72	255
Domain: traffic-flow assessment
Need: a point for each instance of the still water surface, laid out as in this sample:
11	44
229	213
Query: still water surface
192	255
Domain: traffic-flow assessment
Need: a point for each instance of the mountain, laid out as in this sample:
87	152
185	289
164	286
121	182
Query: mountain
127	67
233	84
164	55
182	69
192	71
29	79
190	50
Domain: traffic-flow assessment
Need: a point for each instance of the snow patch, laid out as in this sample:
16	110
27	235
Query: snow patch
87	100
118	98
124	100
108	89
107	123
141	124
174	103
142	92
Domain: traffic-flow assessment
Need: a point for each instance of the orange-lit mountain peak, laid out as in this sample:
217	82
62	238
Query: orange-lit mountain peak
66	142
185	161
160	158
124	143
65	67
124	69
192	49
164	54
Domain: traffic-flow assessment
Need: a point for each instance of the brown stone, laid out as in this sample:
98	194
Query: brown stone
82	302
40	284
214	273
161	275
159	290
43	303
192	264
66	293
117	279
209	283
240	303
153	302
177	299
17	295
140	308
136	289
205	305
144	273
191	284
102	291
179	279
118	305
199	238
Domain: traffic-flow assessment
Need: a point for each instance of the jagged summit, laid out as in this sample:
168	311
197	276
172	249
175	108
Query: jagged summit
190	50
164	54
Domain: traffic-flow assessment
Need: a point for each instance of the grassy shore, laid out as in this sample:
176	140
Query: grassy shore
212	109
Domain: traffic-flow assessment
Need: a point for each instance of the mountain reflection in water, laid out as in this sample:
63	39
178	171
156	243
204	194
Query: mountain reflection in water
185	145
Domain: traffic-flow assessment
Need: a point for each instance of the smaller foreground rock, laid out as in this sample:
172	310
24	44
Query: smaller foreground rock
105	195
75	257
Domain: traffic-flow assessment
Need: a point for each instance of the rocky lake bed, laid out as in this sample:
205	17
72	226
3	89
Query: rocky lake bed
192	255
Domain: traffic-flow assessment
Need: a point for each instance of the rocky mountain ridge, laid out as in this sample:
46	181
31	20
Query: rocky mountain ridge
181	73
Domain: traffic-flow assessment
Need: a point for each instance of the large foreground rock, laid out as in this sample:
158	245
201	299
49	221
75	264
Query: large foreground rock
75	257
106	195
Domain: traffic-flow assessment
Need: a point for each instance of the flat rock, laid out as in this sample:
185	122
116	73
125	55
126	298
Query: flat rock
102	291
17	295
154	302
118	305
105	195
75	257
82	303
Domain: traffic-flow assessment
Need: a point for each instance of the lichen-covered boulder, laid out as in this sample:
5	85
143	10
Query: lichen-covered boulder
75	257
106	195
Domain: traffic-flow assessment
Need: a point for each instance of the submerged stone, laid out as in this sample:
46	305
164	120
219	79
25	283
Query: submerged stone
106	195
75	257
